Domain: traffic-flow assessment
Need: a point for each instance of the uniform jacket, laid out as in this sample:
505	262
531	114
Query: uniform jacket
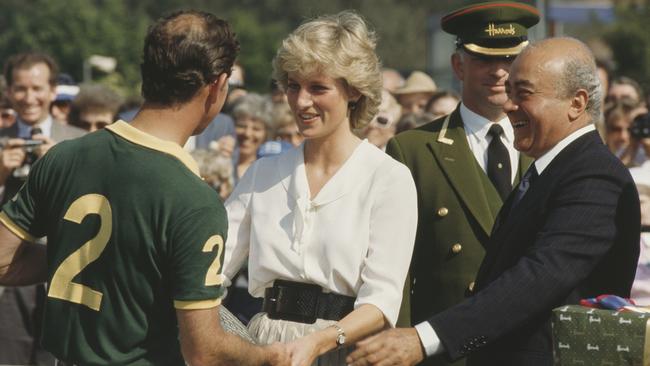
575	234
457	205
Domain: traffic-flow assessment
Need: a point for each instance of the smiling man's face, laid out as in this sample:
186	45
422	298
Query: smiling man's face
483	80
537	111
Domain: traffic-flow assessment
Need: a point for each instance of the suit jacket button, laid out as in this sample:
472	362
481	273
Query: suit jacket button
470	287
456	248
443	211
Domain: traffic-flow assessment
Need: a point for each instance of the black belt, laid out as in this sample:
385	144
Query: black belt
304	303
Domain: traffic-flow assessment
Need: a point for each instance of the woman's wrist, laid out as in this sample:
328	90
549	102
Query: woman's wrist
326	340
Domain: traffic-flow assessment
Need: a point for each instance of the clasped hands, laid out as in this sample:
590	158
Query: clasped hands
398	346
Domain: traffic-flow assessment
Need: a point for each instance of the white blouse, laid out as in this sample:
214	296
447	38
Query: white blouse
354	238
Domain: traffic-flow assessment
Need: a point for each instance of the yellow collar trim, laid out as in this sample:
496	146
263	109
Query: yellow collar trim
496	51
136	136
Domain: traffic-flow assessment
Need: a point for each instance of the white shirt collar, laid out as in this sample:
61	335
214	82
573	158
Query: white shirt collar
46	126
478	126
543	161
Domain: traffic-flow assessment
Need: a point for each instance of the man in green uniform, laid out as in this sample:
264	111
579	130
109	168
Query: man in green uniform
135	238
464	164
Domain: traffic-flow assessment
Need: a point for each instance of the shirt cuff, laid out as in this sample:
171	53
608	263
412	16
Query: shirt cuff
429	339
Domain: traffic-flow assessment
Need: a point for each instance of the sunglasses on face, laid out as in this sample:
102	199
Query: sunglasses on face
382	122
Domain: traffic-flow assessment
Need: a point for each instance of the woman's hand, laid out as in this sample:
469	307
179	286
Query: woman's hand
305	350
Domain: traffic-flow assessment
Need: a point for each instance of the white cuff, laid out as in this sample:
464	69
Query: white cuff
429	339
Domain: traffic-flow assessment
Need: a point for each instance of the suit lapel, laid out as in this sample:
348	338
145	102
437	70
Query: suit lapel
524	163
57	133
510	216
455	158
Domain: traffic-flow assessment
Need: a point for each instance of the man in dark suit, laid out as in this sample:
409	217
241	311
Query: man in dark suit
31	83
569	231
462	172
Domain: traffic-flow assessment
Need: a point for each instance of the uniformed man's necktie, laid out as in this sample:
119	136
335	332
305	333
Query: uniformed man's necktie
498	164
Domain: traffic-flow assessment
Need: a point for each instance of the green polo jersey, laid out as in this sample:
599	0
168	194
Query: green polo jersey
133	233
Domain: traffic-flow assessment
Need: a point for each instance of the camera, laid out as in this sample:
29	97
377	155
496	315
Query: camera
640	127
30	147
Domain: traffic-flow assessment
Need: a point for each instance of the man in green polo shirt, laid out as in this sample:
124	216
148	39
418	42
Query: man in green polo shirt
135	238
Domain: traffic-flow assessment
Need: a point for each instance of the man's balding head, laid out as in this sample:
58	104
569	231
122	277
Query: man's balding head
575	66
553	90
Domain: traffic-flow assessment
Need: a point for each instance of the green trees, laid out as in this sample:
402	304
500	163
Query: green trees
629	41
72	30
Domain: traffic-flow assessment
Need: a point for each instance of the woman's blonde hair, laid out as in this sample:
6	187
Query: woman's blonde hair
342	47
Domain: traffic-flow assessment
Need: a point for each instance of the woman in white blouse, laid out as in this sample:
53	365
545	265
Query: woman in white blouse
328	227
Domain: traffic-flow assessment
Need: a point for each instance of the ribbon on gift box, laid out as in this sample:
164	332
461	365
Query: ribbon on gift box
613	302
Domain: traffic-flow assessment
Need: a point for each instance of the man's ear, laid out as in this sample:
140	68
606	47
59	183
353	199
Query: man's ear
218	89
52	93
457	65
578	104
221	83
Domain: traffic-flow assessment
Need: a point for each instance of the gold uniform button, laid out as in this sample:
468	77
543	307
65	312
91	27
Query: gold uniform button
471	286
443	211
456	248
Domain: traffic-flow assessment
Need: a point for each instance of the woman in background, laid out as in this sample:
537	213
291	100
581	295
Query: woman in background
252	115
329	225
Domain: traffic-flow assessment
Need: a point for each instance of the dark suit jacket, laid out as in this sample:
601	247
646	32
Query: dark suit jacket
575	234
457	205
21	307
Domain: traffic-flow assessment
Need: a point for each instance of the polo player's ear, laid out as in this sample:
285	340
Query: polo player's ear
222	82
578	104
218	88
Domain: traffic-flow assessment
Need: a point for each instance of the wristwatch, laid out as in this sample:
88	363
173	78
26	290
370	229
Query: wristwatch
340	335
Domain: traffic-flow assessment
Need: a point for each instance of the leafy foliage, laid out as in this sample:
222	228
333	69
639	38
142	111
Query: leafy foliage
629	41
72	30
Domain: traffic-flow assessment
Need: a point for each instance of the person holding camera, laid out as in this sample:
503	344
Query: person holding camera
627	131
31	82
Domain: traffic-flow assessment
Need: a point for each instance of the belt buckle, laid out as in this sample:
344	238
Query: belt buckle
289	299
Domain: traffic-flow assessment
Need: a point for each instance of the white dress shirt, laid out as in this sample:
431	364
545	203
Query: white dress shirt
476	130
430	341
25	130
354	238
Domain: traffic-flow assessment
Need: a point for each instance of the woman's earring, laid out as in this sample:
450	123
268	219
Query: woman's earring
352	105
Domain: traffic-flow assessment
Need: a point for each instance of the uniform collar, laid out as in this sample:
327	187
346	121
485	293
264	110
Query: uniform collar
478	126
141	138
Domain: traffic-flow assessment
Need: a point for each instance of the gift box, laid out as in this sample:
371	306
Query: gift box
588	336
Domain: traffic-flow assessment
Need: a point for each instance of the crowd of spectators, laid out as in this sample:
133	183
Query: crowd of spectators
251	125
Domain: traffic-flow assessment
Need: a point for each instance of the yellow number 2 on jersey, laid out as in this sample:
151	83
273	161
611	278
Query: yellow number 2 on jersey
213	277
61	286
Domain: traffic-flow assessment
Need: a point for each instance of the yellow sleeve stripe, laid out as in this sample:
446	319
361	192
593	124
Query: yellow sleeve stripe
194	305
17	230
